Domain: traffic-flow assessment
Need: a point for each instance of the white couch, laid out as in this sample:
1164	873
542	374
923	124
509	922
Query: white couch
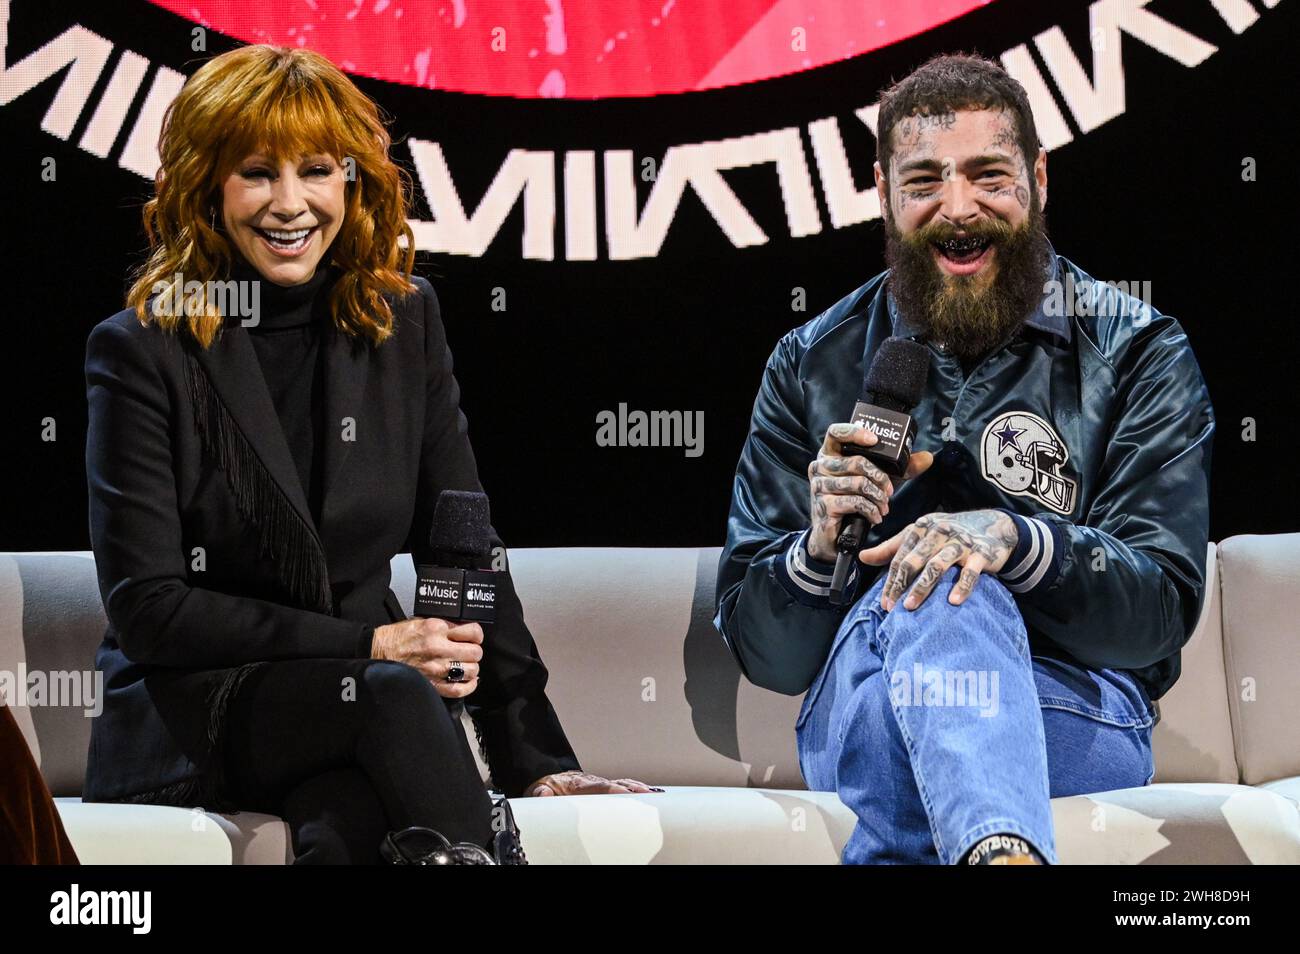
645	688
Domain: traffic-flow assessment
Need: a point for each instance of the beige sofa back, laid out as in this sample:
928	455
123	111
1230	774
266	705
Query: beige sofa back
646	687
643	683
1260	583
1193	740
51	622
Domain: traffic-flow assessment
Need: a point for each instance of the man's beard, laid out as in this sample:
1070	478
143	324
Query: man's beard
969	314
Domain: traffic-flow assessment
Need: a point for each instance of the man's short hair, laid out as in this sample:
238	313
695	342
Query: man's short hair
949	82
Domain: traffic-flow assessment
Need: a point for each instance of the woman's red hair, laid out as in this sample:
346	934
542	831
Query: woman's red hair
283	103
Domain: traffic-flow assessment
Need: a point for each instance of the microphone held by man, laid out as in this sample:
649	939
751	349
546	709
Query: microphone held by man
881	433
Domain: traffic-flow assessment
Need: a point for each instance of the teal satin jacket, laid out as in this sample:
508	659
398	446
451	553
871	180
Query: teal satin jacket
1092	426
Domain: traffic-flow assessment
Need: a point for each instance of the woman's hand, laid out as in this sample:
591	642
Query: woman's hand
432	646
584	783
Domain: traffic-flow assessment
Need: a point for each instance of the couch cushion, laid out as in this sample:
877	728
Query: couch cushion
1157	824
1179	824
104	834
1193	739
1286	787
255	838
688	825
1261	613
157	834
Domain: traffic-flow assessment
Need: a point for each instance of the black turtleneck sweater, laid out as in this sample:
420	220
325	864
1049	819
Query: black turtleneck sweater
287	339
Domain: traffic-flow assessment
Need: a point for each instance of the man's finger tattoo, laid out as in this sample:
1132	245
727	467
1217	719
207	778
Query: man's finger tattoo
873	490
928	576
867	508
966	582
951	553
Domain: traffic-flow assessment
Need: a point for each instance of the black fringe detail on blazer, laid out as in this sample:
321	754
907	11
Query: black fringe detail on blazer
483	754
202	791
206	790
218	703
299	563
187	793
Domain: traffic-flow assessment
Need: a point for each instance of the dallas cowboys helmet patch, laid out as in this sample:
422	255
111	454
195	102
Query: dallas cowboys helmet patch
1023	455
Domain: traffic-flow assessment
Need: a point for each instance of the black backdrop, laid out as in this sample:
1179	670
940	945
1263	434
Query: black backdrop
1155	194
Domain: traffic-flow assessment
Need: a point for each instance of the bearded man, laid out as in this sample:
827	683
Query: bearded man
1025	588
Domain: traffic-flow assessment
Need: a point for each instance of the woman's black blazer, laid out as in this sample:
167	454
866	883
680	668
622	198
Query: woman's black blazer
209	560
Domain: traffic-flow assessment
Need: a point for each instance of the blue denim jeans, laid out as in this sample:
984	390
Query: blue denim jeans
938	728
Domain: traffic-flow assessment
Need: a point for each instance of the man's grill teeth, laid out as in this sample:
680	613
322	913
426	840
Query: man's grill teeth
962	245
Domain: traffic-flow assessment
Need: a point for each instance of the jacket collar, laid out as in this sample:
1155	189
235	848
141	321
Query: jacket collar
1053	324
232	366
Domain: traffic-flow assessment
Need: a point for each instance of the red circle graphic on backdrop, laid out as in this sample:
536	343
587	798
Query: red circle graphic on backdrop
579	50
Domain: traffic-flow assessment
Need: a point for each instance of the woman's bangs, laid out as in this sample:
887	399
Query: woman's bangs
296	126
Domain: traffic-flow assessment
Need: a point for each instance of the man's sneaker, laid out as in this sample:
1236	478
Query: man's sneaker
1003	850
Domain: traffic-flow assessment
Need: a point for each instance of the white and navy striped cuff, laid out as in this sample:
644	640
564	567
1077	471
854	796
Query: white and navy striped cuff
1036	561
806	579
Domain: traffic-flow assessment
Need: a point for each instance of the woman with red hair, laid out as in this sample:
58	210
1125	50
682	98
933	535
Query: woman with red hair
271	421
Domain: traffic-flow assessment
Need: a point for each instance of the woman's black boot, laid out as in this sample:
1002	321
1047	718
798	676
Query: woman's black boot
424	846
506	846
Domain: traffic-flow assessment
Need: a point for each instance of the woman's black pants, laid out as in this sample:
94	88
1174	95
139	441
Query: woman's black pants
347	750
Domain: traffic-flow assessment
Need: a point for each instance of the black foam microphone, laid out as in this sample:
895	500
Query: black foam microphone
456	587
892	387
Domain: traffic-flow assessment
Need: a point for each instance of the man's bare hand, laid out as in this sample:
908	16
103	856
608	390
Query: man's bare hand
840	485
978	540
